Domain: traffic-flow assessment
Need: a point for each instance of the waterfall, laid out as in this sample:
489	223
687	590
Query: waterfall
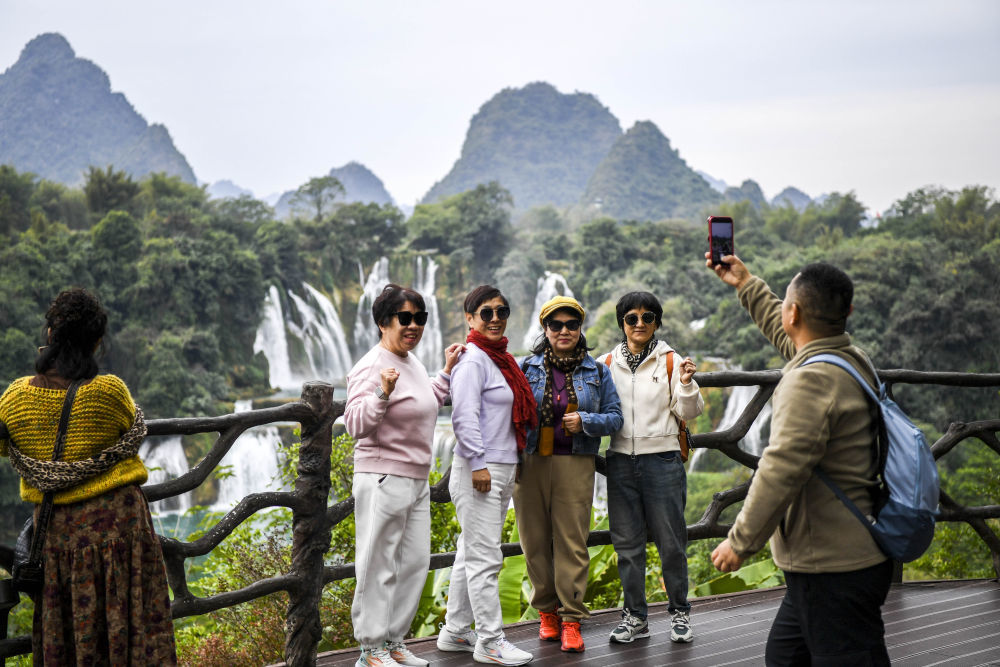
752	442
165	459
365	331
549	285
253	464
321	334
430	351
305	343
272	341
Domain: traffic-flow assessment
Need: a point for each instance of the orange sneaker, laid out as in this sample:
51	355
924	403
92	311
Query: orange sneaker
572	642
549	628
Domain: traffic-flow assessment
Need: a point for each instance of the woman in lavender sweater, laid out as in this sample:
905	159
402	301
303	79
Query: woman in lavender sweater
392	407
492	410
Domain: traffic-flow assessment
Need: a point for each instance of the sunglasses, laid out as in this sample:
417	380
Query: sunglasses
647	318
405	317
557	325
486	314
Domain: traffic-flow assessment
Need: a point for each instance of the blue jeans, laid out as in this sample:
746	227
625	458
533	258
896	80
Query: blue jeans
649	491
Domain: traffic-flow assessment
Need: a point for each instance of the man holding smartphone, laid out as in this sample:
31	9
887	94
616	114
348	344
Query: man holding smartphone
837	577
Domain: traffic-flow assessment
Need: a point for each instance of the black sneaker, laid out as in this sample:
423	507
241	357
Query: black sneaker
630	629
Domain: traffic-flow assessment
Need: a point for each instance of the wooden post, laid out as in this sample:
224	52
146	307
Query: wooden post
310	527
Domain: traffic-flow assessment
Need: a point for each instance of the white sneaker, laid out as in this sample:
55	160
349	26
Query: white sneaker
457	641
499	651
680	627
375	657
404	656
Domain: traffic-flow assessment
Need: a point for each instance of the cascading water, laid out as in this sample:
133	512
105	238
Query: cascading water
430	351
164	458
549	285
305	343
365	331
321	334
253	464
272	341
752	442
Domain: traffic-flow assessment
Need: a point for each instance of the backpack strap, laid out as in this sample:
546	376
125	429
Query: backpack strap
840	362
880	451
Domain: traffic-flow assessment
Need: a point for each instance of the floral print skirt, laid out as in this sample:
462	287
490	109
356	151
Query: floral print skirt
105	598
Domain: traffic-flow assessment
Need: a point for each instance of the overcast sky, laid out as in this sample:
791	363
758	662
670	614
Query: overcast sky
875	97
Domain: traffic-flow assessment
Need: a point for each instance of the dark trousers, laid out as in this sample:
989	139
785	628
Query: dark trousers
832	619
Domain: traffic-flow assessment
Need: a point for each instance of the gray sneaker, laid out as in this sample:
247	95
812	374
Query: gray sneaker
630	629
680	627
457	641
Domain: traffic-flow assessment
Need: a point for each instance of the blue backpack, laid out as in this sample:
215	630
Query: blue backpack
903	526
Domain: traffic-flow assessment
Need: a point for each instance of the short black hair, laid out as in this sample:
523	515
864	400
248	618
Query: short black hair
824	294
634	300
75	325
389	302
481	295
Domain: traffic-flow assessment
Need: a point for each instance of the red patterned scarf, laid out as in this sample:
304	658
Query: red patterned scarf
525	411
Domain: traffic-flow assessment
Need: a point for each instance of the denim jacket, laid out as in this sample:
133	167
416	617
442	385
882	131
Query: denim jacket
599	406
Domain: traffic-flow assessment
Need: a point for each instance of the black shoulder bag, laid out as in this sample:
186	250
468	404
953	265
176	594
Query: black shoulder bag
27	573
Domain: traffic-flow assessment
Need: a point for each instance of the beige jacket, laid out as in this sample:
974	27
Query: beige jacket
650	409
820	417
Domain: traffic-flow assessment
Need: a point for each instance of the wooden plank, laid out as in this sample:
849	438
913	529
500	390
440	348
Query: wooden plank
927	623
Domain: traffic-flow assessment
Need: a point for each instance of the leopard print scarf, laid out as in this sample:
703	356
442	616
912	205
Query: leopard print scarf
59	475
633	360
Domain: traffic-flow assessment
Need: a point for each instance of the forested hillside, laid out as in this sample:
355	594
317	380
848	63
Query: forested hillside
644	178
539	144
58	116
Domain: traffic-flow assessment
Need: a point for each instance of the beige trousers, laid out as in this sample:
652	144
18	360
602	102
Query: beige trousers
552	502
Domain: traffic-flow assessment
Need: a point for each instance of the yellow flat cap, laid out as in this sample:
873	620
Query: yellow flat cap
557	302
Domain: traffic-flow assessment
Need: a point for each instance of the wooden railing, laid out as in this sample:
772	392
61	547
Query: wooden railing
313	519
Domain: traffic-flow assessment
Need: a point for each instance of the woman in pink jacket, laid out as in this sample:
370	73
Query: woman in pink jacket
392	406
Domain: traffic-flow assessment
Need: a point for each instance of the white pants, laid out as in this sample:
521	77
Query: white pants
393	533
473	593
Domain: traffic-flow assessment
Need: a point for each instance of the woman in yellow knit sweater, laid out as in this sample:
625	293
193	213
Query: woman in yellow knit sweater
105	598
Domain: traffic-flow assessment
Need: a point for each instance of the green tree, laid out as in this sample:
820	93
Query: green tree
16	190
474	224
318	194
109	190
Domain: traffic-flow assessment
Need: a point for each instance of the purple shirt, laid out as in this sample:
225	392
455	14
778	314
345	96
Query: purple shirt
562	442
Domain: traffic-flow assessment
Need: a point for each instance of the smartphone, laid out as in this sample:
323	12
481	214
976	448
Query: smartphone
720	238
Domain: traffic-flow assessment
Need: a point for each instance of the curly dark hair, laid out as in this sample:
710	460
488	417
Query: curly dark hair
75	325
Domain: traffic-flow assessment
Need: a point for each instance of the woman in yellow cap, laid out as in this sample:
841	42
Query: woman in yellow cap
577	404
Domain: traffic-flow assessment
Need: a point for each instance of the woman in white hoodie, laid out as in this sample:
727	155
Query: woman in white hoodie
647	483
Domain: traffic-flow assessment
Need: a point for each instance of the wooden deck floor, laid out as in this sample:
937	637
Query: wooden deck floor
954	623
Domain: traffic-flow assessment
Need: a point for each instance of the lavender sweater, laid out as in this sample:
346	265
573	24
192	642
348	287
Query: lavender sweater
393	436
482	403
